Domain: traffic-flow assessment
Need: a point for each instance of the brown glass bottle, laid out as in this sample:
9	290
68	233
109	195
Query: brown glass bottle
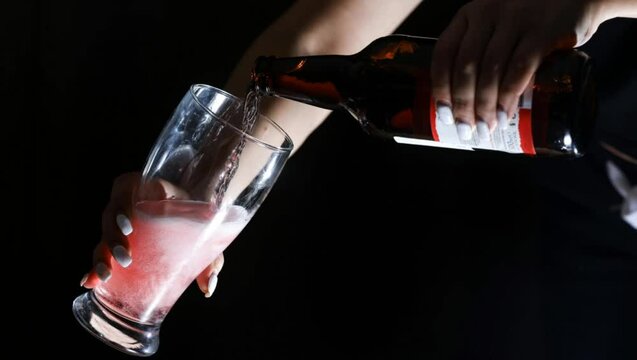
386	87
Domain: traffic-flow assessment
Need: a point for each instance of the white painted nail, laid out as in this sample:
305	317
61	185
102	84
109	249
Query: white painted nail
212	284
121	256
102	272
503	119
124	224
444	114
84	278
483	130
464	131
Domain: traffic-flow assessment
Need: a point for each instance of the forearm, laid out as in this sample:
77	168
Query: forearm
312	28
610	9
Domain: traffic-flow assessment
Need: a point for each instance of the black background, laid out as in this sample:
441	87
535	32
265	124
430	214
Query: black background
363	249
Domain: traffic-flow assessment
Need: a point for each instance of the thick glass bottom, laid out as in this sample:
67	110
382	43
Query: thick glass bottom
120	333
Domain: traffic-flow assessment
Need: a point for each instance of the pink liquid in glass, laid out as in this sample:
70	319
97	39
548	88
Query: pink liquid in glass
171	243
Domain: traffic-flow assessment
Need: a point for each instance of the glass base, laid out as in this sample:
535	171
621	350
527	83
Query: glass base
120	333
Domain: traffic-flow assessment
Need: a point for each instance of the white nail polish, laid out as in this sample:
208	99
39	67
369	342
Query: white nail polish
444	114
212	285
503	119
84	278
102	272
121	256
483	130
464	131
124	224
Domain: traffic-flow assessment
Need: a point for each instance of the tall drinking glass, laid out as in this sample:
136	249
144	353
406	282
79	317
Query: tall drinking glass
220	168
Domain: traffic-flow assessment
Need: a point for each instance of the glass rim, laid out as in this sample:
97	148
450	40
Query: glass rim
254	139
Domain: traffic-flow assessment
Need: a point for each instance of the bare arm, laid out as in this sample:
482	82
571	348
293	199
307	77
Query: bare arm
308	27
313	28
618	8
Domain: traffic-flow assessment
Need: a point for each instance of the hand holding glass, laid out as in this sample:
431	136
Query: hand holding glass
220	170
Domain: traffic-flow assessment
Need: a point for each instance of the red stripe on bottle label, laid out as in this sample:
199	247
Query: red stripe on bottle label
432	119
526	132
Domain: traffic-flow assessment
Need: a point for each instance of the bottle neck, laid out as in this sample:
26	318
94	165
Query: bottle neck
312	80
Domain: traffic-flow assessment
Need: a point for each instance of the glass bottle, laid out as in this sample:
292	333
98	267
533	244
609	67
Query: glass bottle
386	87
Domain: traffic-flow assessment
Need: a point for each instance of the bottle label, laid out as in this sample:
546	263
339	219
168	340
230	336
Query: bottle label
516	138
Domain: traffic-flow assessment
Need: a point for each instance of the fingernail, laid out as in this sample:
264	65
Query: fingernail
102	272
444	113
464	131
121	256
212	285
503	119
84	278
483	130
124	224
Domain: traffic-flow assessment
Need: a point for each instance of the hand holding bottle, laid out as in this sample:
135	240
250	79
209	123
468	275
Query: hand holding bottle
116	226
487	55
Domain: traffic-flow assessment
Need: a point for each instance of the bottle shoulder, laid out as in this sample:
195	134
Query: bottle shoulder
395	45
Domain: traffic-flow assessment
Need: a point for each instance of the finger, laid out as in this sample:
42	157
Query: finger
90	280
116	223
124	187
464	79
492	69
525	60
116	226
208	278
101	270
444	54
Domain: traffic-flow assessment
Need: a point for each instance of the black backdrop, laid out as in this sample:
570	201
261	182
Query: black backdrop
362	250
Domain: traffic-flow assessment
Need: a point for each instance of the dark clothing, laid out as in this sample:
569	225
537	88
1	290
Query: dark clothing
616	74
363	249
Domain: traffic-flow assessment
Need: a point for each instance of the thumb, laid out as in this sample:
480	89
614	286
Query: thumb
207	279
159	189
